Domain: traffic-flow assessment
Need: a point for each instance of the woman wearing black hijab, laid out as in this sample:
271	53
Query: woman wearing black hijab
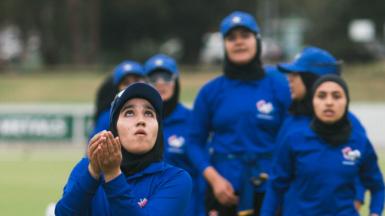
317	165
235	120
124	173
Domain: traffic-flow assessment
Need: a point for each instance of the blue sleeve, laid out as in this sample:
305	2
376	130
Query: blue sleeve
360	191
102	123
78	192
281	177
372	179
283	130
199	129
171	197
282	90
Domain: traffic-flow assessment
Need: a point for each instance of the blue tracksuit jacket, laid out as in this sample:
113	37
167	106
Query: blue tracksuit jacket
175	128
293	122
160	189
239	120
319	179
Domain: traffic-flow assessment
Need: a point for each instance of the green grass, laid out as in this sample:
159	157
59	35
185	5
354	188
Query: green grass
32	178
366	83
79	87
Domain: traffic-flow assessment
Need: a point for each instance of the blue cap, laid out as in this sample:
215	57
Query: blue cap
161	61
125	68
313	60
239	19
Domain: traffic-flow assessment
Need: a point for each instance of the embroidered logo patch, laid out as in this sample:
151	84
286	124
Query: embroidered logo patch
176	141
142	202
265	109
236	19
159	62
127	67
350	156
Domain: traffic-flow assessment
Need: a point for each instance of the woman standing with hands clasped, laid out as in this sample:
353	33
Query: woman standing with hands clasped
238	115
316	166
124	173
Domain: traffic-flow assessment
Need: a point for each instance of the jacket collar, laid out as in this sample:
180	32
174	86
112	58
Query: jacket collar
152	168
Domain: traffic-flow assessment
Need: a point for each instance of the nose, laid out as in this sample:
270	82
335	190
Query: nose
141	121
329	101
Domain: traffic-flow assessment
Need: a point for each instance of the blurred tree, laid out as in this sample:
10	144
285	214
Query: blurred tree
97	31
329	21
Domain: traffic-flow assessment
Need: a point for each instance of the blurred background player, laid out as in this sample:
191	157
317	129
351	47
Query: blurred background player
309	65
162	71
124	74
317	164
238	114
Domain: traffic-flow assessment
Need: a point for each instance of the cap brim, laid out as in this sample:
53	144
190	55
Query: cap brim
154	69
290	68
239	25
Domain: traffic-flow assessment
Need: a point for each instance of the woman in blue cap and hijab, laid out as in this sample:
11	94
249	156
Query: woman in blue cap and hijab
126	73
238	116
309	65
316	167
162	72
124	172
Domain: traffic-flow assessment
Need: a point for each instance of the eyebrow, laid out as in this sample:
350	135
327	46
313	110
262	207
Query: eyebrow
146	106
150	107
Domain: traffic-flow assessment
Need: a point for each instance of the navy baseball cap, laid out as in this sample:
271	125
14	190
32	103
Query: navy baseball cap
239	19
161	61
135	90
312	60
126	68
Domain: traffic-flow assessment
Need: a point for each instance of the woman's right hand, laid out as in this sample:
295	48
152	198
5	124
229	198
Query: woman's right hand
223	190
94	148
110	157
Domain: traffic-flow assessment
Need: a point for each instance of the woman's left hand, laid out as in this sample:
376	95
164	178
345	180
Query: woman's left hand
110	157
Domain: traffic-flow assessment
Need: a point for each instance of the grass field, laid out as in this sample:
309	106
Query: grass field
33	176
366	84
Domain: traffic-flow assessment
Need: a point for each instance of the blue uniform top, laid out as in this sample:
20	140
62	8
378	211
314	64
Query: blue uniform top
102	123
175	129
293	122
160	189
319	179
236	117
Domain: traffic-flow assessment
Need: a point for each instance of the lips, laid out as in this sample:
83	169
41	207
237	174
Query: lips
140	132
328	112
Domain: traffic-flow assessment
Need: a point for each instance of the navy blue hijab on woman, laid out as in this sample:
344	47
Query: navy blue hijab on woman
132	163
338	132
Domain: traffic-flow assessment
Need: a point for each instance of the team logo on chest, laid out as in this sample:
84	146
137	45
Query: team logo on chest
265	109
350	156
175	141
142	202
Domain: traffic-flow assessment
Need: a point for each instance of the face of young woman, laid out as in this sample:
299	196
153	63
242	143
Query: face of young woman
240	45
297	87
128	80
164	82
329	102
137	126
